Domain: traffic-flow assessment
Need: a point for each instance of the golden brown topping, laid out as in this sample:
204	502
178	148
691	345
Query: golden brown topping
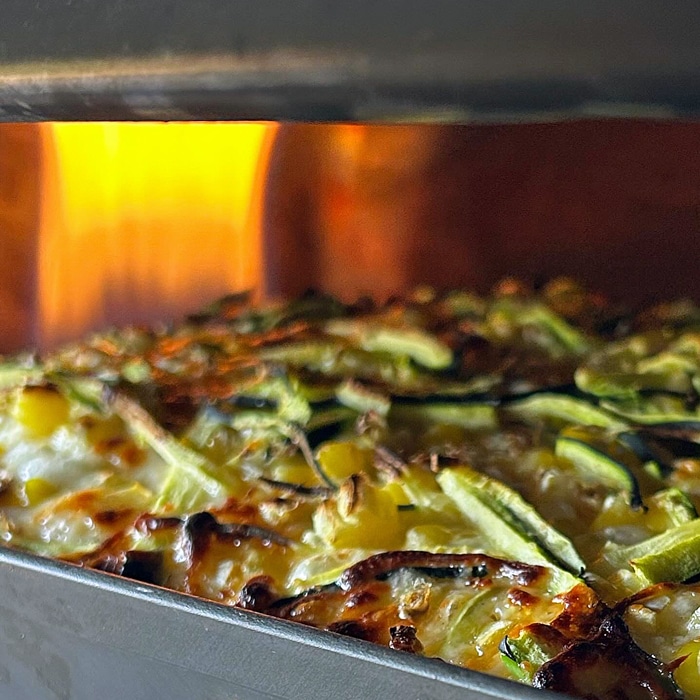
469	566
608	667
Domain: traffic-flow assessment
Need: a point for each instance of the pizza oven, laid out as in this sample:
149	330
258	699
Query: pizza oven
157	155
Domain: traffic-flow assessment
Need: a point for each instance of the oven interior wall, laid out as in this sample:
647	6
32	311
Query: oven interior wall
355	209
20	192
378	209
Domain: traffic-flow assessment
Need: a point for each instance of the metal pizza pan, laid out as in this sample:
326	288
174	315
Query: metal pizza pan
71	633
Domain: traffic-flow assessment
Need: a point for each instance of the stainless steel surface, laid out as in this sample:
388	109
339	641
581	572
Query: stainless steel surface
451	60
72	633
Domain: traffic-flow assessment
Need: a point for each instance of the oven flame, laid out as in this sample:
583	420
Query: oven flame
142	222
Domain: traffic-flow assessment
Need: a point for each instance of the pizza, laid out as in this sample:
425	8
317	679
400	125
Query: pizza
508	483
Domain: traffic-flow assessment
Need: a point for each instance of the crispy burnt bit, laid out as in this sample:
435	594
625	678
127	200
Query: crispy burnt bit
609	666
324	605
581	618
440	457
474	354
583	613
177	413
357	629
114	558
114	518
478	452
202	524
404	638
258	594
195	537
197	531
106	557
475	566
588	640
146	567
374	625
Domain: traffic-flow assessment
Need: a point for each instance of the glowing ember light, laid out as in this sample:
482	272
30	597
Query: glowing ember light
141	222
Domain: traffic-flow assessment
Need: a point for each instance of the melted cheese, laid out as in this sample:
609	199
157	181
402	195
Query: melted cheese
256	457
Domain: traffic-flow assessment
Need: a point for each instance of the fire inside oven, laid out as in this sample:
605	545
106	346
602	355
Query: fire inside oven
108	223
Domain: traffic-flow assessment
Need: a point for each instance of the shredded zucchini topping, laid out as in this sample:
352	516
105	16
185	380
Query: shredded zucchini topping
506	483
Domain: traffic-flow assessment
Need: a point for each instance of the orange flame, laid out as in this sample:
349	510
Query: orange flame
144	221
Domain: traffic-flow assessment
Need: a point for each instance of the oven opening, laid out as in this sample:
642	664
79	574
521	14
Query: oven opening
109	223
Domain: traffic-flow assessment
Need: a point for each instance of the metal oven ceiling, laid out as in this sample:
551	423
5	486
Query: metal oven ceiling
318	60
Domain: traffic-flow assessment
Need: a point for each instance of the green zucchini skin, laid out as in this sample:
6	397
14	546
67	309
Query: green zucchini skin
595	465
510	507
